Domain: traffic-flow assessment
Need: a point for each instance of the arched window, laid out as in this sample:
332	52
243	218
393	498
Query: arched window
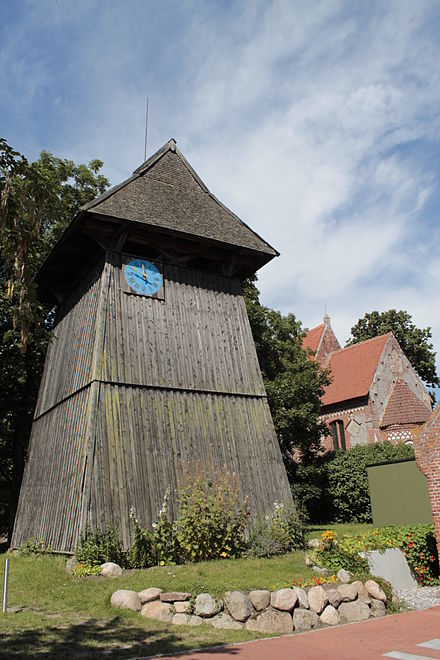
338	434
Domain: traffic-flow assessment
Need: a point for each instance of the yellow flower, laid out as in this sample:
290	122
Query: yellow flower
223	554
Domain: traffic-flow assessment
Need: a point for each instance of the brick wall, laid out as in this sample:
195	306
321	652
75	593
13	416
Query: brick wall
427	451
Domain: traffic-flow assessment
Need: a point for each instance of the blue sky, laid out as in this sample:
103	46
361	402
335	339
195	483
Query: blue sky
318	123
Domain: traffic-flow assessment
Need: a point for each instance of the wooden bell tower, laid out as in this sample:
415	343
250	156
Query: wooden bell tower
152	365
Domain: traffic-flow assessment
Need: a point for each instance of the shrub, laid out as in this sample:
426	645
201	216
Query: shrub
141	554
211	518
85	569
35	546
348	478
97	547
334	556
165	544
281	531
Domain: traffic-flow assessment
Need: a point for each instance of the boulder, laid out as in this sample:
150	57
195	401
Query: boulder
343	576
354	611
308	561
271	621
362	592
195	620
321	571
182	607
284	599
378	608
172	596
157	611
206	605
147	595
303	601
225	621
334	597
109	569
180	619
126	600
260	599
330	616
239	606
70	565
375	591
318	599
304	619
348	592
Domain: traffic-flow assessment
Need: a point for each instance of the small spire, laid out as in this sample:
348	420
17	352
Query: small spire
326	319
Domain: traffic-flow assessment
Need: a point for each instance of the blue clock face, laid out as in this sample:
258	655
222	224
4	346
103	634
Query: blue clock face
143	277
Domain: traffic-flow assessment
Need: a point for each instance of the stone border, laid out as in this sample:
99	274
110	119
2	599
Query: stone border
280	611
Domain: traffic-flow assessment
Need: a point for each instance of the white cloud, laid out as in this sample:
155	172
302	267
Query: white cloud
317	123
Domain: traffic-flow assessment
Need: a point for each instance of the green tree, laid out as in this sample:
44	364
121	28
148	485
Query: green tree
37	201
413	341
294	383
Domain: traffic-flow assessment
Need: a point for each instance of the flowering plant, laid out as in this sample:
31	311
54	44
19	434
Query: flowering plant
416	541
305	582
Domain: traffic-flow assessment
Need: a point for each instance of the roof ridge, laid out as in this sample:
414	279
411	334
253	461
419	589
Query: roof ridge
168	146
360	343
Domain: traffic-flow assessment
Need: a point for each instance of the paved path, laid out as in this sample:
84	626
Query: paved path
407	636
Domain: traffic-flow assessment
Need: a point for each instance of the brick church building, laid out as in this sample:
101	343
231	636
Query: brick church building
375	394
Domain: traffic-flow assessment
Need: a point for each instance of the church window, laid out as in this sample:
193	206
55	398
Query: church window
338	434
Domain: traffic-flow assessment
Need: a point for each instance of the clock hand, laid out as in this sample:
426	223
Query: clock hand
137	272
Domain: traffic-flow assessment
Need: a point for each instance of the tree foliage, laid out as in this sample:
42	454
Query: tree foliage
348	488
294	383
413	341
37	201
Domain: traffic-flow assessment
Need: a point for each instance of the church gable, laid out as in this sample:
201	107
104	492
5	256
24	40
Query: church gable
321	342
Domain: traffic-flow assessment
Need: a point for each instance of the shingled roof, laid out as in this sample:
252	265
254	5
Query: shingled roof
404	407
166	192
352	370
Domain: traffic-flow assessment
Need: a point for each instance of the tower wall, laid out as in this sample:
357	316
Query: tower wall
136	391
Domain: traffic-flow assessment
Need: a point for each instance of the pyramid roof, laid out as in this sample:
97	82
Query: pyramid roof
164	210
166	192
404	407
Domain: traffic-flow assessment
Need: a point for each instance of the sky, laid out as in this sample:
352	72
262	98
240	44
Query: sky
318	123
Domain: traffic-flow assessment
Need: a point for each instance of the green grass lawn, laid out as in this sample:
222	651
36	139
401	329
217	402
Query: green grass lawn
65	617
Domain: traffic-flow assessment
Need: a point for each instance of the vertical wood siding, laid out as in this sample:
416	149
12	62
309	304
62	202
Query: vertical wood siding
198	338
152	387
69	360
145	438
51	494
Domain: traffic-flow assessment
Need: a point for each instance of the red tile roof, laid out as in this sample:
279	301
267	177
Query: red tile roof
352	370
404	407
313	337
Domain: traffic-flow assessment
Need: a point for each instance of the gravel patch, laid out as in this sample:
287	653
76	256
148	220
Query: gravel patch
420	598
